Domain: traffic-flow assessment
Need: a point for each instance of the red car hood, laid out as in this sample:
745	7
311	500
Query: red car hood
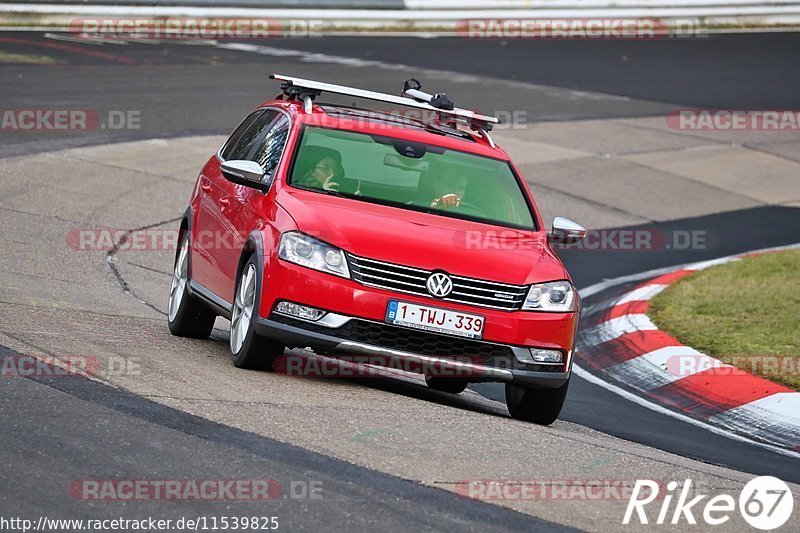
423	240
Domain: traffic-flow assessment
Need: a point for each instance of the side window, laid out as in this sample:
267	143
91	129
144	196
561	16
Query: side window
245	145
233	141
270	149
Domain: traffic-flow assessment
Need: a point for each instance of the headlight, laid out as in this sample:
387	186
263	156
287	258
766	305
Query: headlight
309	252
556	296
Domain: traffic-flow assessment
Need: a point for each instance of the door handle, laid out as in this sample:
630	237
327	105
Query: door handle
224	201
206	187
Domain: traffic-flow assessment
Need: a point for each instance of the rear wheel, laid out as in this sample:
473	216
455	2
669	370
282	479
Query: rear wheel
187	317
247	348
541	406
451	385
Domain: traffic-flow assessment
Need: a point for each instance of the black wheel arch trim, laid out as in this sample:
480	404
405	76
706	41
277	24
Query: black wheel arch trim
196	290
185	228
253	246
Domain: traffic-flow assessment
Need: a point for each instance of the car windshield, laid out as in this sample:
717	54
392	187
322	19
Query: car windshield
409	175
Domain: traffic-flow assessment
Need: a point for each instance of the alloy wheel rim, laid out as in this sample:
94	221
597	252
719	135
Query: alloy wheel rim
180	276
243	305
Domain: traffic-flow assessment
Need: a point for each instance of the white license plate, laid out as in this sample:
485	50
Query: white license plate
435	319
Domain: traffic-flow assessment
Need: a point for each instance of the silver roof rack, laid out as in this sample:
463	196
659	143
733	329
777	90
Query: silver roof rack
308	90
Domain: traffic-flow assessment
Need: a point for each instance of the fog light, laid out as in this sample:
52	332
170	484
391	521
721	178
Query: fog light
299	311
547	356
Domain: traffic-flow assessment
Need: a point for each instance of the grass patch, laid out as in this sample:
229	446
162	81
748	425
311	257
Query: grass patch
26	59
740	312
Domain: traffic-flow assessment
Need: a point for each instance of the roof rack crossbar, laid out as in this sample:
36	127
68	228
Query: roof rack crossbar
303	89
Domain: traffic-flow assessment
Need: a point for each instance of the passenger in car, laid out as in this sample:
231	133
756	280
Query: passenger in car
319	167
442	186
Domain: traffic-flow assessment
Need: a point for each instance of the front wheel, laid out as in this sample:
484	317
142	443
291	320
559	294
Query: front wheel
540	406
247	348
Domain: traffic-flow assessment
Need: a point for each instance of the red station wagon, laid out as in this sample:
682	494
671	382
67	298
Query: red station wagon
355	232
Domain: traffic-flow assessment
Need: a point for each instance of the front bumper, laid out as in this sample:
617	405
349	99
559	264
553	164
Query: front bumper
358	311
298	333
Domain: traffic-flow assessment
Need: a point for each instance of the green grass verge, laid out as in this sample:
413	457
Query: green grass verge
739	313
26	59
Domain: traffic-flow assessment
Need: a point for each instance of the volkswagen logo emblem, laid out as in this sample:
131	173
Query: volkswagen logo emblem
439	284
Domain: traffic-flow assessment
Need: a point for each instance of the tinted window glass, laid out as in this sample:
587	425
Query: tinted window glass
422	177
233	141
269	151
247	144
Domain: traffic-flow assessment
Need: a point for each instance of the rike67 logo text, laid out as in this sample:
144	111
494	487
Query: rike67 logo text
766	503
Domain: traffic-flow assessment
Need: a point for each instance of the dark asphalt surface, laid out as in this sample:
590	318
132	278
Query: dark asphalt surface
587	404
181	89
106	433
719	71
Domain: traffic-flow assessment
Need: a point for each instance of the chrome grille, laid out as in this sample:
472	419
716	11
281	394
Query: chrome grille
470	291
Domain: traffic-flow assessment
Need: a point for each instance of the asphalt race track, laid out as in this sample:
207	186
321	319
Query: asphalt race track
206	86
212	424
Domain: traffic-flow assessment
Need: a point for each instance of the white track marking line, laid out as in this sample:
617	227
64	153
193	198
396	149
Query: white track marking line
57	37
663	366
613	282
778	414
616	327
316	57
781	406
83	40
141	40
714	262
591	378
643	293
435	18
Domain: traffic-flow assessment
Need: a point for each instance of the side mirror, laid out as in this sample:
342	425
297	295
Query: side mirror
565	231
248	173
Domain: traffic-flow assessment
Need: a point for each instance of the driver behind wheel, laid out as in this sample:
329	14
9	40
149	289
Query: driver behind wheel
445	187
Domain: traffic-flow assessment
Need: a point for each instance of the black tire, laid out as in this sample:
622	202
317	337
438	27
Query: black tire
254	352
540	406
186	316
443	384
